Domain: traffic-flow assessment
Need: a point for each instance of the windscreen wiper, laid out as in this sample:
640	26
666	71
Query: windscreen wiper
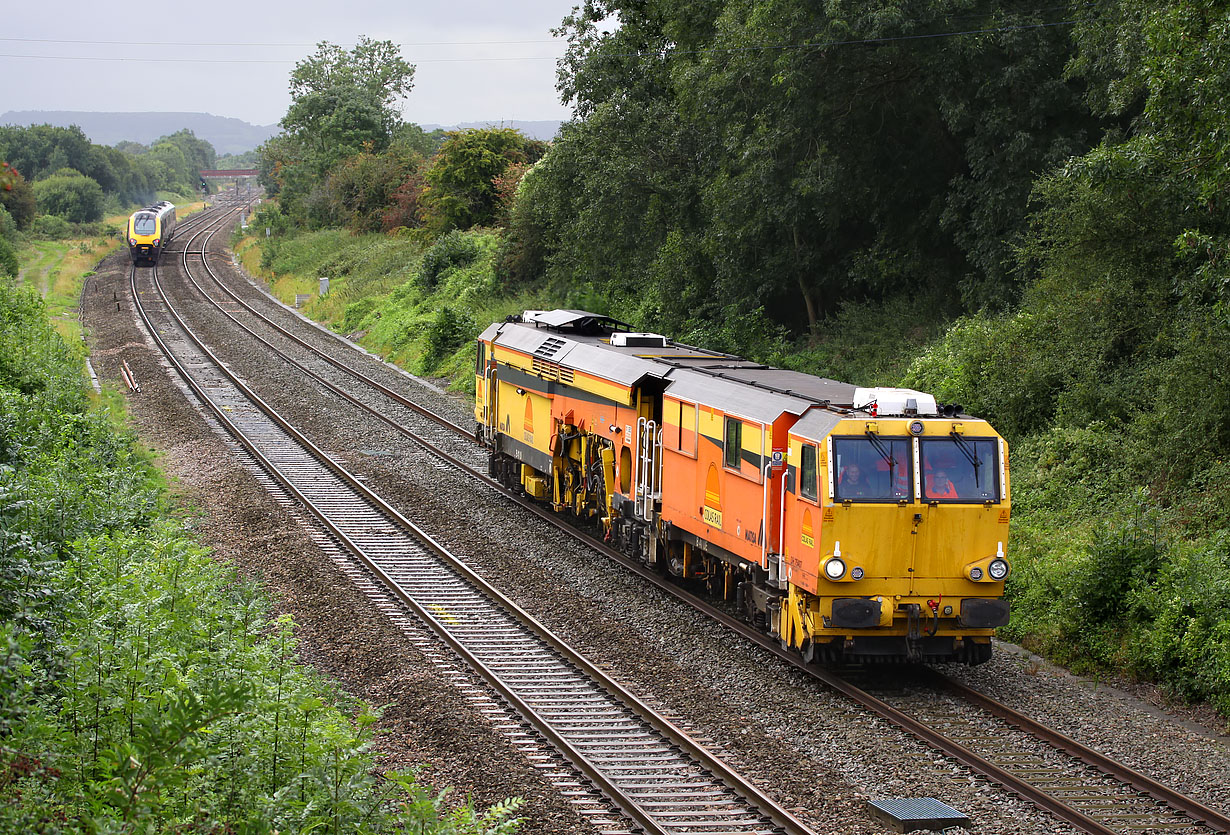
970	456
879	447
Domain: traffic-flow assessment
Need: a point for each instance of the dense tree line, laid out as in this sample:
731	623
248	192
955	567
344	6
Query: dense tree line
62	173
1022	207
1054	178
791	156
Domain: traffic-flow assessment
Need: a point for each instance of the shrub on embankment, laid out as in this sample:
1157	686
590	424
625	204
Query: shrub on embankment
143	685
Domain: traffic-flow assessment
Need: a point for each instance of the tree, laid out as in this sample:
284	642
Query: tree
403	210
359	189
461	180
197	152
39	150
1159	67
180	174
343	102
16	196
70	195
8	259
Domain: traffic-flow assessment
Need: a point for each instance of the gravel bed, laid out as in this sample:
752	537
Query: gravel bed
811	749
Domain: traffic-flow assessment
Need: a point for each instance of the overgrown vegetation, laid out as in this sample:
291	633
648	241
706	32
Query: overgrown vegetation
1023	211
143	685
1111	374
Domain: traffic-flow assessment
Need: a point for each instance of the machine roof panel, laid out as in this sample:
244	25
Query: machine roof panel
544	343
612	365
816	425
710	378
793	383
729	395
569	319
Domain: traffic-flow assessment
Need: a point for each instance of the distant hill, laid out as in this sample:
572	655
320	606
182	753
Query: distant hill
228	136
544	130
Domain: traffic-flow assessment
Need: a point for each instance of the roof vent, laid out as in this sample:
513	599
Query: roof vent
638	340
550	347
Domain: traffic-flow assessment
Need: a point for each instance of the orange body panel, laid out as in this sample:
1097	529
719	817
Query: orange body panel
717	503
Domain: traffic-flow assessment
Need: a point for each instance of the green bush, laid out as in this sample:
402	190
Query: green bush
1185	639
8	259
447	332
8	226
143	685
1119	563
70	195
51	227
270	216
33	359
868	343
451	251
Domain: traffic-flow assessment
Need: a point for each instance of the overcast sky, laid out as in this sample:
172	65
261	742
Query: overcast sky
476	59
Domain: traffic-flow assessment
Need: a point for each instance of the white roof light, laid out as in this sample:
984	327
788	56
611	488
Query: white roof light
884	402
638	340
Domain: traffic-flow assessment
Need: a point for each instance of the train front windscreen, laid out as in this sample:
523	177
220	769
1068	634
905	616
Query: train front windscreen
144	224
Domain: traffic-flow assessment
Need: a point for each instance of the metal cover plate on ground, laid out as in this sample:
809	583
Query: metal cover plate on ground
909	814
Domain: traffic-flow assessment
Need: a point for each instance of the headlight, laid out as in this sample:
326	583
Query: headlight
998	569
155	242
132	241
916	427
856	573
975	573
834	569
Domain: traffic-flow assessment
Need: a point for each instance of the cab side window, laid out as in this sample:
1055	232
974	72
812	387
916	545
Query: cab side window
734	442
807	473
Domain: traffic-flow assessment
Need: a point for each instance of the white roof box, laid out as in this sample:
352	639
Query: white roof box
885	402
638	340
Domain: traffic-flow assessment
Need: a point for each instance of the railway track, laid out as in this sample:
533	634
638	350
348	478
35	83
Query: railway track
1072	781
658	779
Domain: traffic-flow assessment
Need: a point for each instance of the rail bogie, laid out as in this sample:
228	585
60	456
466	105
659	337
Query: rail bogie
850	523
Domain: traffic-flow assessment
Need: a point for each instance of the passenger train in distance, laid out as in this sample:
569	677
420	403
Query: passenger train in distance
854	524
149	231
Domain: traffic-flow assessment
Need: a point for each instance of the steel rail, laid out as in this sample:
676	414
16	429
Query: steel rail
780	817
328	384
